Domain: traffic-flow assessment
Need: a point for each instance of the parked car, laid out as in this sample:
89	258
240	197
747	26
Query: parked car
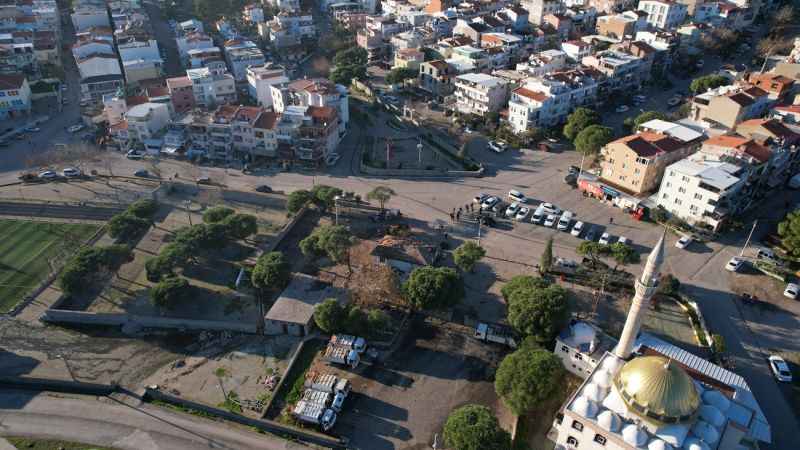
550	220
605	239
33	129
523	213
734	264
263	188
791	291
71	172
133	154
480	197
550	208
674	101
538	215
517	196
141	173
768	255
75	128
591	234
624	240
48	175
489	202
577	229
512	209
780	369
498	146
683	242
622	109
565	221
566	263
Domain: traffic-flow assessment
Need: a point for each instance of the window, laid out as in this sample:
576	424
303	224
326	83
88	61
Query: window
577	425
682	190
578	356
565	349
678	201
669	184
698	197
693	208
2	94
665	196
684	178
600	439
572	441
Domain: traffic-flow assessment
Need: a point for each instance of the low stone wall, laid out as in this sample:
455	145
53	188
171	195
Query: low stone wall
121	319
265	425
46	384
365	169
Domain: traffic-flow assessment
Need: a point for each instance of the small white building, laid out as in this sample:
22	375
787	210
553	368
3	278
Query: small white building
147	120
212	85
98	64
664	14
259	81
15	96
478	93
576	49
293	312
88	16
241	54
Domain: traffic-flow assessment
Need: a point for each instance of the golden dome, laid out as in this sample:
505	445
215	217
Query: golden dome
657	389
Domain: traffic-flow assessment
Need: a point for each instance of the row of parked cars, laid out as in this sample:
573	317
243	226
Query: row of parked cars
50	175
545	214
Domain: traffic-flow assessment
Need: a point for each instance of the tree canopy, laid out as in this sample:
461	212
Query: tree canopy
330	316
400	74
271	272
467	255
789	232
592	250
324	196
349	64
331	240
88	264
145	208
520	282
169	291
623	254
528	377
431	287
474	427
546	262
538	312
704	83
217	214
297	200
591	139
127	227
381	194
579	120
240	226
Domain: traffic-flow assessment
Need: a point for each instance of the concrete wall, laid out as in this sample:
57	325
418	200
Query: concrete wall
121	319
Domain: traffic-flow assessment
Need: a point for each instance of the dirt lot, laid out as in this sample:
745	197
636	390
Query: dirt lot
238	369
402	404
119	190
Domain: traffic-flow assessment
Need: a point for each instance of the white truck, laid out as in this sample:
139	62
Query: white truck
565	221
490	333
331	384
317	397
346	340
340	354
315	414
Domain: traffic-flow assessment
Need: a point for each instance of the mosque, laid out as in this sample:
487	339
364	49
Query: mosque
645	393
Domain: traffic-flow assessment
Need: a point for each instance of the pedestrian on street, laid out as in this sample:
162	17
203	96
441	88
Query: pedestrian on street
610	220
458	215
452	217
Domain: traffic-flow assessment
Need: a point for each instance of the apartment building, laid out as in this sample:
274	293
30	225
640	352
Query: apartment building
97	64
538	9
290	29
769	163
147	121
701	192
94	88
408	58
265	136
181	93
212	85
82	49
201	57
436	77
317	136
478	93
547	100
320	92
15	96
137	70
663	14
284	5
260	79
86	15
777	87
241	54
727	106
576	49
637	162
624	72
542	63
765	130
192	41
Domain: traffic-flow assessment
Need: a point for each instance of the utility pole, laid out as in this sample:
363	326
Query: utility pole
419	153
748	238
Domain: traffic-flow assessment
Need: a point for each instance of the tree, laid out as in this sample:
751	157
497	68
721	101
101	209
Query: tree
789	232
271	272
324	196
467	255
329	315
702	84
783	17
539	313
431	287
356	322
298	200
126	226
169	291
646	117
721	41
668	285
89	263
217	214
144	208
528	377
349	64
623	254
400	74
579	120
377	320
520	282
474	427
157	268
350	56
381	194
592	250
592	139
331	240
241	226
546	262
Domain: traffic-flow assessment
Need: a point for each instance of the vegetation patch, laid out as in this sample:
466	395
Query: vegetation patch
43	444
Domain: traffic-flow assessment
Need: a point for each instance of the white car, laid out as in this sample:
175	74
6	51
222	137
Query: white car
523	213
550	208
622	109
551	219
133	154
71	172
780	369
489	202
75	128
605	239
683	242
791	291
480	197
517	196
624	240
33	129
498	146
512	209
332	159
734	264
47	175
577	229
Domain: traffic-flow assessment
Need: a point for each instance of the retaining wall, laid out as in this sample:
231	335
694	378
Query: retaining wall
45	384
120	319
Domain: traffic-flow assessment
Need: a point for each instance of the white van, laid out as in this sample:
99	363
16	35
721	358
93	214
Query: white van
517	196
538	215
565	221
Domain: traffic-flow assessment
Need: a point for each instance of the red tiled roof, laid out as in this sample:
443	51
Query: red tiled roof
741	99
533	95
178	82
647	144
136	100
11	82
248	113
266	121
726	141
321	112
757	151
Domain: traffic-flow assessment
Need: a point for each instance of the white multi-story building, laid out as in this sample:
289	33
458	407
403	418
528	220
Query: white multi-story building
478	93
88	16
95	46
547	100
192	41
98	64
622	70
241	54
133	48
284	5
321	92
663	14
537	9
15	96
147	120
543	63
191	26
259	81
212	85
576	49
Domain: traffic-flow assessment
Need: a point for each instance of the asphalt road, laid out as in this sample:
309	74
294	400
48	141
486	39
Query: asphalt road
111	423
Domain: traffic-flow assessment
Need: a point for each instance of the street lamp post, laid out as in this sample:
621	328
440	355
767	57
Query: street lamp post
419	153
336	207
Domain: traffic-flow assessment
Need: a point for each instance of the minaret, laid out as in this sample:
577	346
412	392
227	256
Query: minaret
645	288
